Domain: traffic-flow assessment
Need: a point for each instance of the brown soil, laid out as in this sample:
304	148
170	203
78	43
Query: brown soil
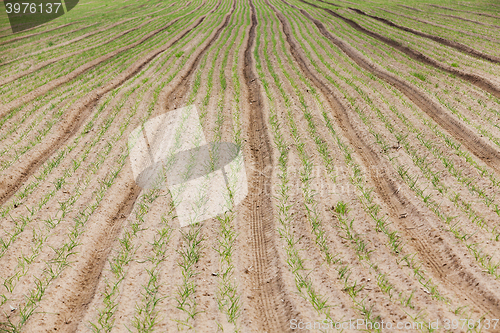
82	69
75	117
471	21
479	148
38	41
82	283
411	8
387	188
414	54
321	114
74	40
466	11
54	60
270	307
329	3
457	46
35	34
455	17
81	50
444	26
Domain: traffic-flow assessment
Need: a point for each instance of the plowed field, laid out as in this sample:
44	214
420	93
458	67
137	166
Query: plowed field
362	193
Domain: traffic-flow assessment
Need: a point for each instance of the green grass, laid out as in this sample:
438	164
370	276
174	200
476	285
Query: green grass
420	76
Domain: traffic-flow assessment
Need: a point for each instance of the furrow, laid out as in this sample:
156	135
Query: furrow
15	176
466	11
411	8
35	34
65	56
462	133
23	45
5	109
81	286
70	42
443	26
476	80
438	256
329	3
455	17
457	46
270	306
181	90
6	28
469	20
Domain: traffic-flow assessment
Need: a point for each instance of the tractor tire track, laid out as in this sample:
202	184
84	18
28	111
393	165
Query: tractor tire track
17	76
81	286
438	256
3	29
35	34
16	175
44	64
329	3
463	134
411	8
78	284
69	42
465	11
181	90
475	79
455	17
443	41
30	29
468	33
13	49
65	56
5	109
472	21
271	308
23	45
134	11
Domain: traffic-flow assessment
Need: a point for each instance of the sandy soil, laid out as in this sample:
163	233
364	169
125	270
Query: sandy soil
332	109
